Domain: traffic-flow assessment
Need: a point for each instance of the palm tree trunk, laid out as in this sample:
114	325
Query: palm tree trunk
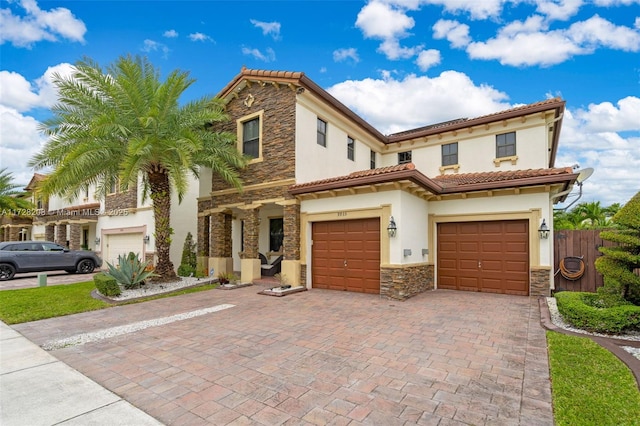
160	189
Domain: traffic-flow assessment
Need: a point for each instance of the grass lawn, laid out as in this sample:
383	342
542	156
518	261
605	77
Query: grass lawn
32	304
590	385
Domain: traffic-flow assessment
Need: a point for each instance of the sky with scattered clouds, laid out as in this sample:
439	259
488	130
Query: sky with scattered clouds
400	64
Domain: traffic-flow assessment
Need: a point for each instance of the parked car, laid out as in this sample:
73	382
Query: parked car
39	256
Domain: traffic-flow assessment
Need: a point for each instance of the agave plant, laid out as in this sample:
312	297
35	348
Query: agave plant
130	271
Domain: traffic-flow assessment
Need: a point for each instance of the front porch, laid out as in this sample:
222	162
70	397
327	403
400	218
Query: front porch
243	237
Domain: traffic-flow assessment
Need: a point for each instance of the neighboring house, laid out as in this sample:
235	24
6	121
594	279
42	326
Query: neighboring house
467	197
119	224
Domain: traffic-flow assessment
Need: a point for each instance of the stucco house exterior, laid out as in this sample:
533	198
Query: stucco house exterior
119	223
466	197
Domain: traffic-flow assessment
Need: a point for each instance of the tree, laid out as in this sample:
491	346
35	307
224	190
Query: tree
10	199
122	124
619	262
188	263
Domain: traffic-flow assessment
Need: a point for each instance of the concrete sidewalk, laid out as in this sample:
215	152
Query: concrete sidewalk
37	389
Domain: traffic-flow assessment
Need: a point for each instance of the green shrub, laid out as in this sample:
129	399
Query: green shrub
188	262
186	271
106	285
579	310
130	271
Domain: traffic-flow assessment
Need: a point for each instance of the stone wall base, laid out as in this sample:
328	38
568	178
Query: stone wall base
540	282
404	281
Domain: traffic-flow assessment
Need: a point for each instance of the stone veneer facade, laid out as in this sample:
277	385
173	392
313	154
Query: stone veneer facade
539	285
405	281
278	107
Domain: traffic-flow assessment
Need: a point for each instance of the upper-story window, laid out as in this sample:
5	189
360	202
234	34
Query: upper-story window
351	148
404	157
506	145
250	135
251	138
372	159
114	186
322	132
450	154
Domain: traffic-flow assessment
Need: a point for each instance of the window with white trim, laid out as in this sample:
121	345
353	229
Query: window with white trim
450	154
249	136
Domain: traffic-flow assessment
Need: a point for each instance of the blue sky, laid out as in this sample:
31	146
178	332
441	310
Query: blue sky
400	64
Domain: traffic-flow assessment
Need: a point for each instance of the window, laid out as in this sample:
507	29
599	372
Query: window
404	157
276	234
114	187
506	145
372	159
450	154
351	148
322	132
251	138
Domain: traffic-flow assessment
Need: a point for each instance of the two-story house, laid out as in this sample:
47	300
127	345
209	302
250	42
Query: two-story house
455	205
119	223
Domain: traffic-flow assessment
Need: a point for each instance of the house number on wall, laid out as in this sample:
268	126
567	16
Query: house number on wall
342	214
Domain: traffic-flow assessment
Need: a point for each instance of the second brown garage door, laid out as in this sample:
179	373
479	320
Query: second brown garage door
484	256
346	255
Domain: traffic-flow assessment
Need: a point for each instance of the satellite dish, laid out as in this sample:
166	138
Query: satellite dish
584	175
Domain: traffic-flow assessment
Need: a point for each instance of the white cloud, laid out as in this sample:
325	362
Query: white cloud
605	117
595	32
341	55
20	141
379	20
268	56
170	34
199	37
455	32
559	9
268	28
479	9
598	137
154	46
417	100
428	58
21	95
529	43
35	24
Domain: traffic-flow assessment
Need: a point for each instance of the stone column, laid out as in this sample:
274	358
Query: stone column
291	268
61	234
14	233
250	262
1	234
76	234
203	236
50	232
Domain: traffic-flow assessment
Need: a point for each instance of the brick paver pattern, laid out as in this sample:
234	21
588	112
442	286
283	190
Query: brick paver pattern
321	357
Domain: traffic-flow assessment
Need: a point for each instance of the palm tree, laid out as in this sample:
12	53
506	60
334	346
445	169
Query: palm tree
592	213
11	201
124	123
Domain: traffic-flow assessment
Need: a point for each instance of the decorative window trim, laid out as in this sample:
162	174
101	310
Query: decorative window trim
498	161
454	167
240	133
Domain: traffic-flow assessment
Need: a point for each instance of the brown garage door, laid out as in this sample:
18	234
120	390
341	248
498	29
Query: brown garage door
484	256
346	255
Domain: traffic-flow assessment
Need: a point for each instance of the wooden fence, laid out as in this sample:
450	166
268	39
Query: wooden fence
579	243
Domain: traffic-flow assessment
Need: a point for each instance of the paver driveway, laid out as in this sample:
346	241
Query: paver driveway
320	357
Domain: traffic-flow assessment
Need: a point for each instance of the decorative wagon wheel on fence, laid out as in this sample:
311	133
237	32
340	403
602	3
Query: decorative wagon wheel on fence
572	267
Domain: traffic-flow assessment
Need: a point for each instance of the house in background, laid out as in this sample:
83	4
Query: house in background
118	224
454	205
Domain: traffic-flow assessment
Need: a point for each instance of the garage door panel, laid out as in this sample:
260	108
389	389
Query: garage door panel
355	241
488	256
123	244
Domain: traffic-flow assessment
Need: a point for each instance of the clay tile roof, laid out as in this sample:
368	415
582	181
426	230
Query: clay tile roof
37	177
465	179
444	184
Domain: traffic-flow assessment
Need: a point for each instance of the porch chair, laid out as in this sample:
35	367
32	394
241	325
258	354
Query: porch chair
270	269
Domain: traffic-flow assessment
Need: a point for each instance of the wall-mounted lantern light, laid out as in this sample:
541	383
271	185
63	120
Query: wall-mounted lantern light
392	228
543	231
146	239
